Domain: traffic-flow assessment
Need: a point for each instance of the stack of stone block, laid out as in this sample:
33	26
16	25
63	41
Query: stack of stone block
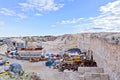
92	73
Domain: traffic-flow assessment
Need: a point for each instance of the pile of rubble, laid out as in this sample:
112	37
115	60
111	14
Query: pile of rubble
92	73
25	76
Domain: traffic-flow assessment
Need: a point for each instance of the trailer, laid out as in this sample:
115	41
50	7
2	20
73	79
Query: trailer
31	54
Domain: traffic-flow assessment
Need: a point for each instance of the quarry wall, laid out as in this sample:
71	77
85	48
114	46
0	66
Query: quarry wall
106	55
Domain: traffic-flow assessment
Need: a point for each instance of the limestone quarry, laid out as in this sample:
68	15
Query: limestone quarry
105	47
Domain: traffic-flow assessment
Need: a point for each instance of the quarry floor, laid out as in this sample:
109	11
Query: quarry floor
44	72
47	73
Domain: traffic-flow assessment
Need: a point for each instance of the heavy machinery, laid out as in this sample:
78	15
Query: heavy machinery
11	52
84	59
22	51
72	62
31	54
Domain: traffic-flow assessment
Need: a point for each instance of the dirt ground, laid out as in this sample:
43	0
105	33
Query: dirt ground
44	72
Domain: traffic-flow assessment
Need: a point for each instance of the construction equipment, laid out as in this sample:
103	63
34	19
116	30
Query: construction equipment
84	59
24	52
72	62
11	52
87	59
31	54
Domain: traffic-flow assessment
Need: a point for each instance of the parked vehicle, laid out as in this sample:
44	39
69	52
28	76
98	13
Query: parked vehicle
31	54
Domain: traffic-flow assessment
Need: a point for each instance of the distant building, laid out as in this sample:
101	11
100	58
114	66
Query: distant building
18	44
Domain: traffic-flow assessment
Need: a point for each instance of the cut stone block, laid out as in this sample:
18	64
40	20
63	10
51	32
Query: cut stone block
104	76
96	76
69	76
88	77
84	70
82	77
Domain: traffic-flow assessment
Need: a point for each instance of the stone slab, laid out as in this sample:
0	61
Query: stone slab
84	70
104	76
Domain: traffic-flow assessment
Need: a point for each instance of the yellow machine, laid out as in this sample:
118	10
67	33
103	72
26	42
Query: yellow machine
38	59
34	59
82	60
44	59
74	58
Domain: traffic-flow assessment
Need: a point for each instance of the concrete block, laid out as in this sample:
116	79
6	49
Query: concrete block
100	70
88	77
84	70
82	77
104	76
70	76
81	70
96	76
92	76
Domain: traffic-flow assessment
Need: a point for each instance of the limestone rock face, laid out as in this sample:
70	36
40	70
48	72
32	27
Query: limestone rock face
106	53
3	49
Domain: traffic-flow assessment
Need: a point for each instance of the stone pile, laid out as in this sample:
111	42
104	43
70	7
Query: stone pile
92	73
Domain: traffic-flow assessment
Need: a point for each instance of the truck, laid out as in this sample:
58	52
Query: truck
31	54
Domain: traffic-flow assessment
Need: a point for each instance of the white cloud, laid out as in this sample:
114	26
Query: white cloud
41	5
38	14
111	8
110	15
7	12
36	8
22	16
108	20
73	21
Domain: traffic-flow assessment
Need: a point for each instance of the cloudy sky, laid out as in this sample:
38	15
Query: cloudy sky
57	17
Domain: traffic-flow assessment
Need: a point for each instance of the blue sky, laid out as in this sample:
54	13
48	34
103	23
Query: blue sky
57	17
